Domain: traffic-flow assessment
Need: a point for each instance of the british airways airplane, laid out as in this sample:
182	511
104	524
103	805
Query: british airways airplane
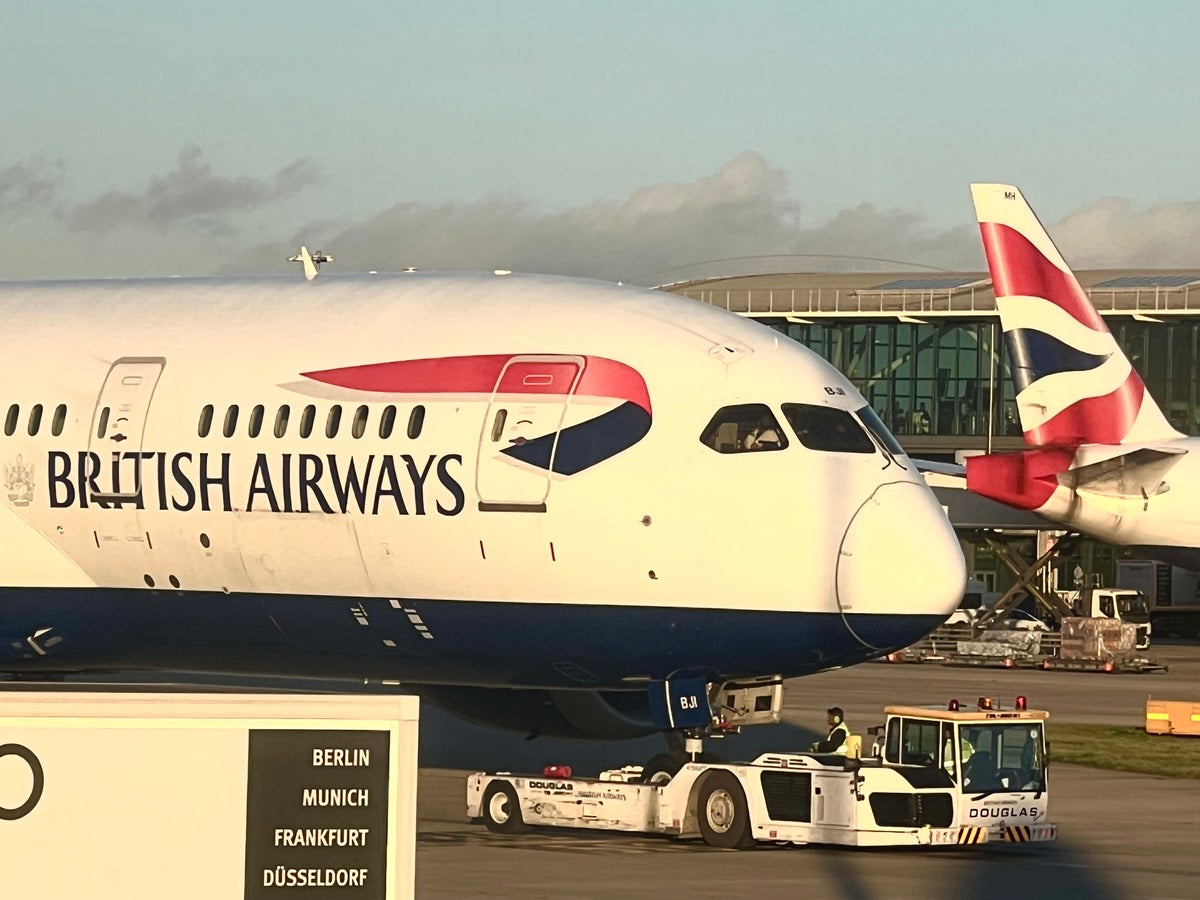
1102	458
528	496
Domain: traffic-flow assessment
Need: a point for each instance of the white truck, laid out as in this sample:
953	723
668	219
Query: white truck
1125	604
945	777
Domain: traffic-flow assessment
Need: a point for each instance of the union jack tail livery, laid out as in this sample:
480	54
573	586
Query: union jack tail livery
1102	460
1074	384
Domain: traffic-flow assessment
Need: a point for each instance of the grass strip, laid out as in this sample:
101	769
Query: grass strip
1124	749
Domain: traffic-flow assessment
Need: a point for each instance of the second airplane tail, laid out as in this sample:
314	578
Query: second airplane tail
1074	384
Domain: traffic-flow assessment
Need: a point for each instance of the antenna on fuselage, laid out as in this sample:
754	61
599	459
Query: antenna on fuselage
311	261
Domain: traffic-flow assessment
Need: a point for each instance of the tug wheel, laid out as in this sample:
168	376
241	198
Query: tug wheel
501	809
722	813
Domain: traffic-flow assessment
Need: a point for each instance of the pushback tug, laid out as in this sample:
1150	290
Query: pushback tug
935	776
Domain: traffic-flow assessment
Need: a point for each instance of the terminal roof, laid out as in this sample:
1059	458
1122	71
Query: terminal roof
930	284
1137	281
848	295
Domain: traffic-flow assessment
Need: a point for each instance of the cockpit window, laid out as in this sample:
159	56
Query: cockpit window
827	428
738	429
875	425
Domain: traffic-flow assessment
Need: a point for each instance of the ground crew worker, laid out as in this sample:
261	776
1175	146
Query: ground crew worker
839	732
965	751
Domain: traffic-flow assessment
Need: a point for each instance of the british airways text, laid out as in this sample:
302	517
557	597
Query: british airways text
377	484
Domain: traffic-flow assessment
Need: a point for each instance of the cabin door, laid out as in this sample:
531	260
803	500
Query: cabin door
520	432
119	427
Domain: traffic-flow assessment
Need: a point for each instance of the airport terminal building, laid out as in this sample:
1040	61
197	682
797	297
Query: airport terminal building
927	351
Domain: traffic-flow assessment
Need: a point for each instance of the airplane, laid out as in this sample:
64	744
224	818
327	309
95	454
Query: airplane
525	497
1102	459
310	262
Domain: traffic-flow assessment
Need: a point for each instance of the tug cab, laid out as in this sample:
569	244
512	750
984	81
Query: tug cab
993	758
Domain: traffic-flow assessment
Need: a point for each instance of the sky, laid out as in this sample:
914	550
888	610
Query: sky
620	140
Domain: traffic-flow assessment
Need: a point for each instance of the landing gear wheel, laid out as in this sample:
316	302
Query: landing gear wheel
722	813
501	809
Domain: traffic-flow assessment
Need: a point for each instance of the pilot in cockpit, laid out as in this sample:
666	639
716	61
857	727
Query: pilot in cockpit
764	436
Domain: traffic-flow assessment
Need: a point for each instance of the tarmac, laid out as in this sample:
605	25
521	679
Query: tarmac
1120	835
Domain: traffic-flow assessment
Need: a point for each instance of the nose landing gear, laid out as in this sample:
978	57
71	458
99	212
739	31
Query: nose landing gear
690	710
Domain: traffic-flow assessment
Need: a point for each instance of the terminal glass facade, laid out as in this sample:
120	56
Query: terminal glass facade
922	379
949	378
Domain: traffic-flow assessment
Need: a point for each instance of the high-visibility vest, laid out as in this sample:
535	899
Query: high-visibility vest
965	752
845	730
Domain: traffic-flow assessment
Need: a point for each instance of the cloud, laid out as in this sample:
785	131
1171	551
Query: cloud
884	237
33	183
747	208
191	195
744	209
1110	233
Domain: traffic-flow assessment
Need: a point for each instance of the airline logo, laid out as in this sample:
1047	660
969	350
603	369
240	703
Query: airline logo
561	413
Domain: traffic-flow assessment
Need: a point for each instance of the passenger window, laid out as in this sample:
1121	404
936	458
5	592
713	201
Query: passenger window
359	426
204	426
307	419
256	417
416	421
60	419
281	420
10	422
35	419
333	421
231	417
387	421
750	426
827	428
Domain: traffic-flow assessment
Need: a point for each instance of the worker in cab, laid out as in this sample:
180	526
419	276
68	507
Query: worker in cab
965	751
839	733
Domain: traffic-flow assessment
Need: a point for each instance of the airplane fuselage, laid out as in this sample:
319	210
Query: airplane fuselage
492	480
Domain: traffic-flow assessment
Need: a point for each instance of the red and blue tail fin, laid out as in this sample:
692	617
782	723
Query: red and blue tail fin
1074	383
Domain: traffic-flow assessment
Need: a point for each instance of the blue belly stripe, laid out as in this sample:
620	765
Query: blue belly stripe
427	641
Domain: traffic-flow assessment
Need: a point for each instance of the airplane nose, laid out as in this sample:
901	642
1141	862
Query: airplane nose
900	569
